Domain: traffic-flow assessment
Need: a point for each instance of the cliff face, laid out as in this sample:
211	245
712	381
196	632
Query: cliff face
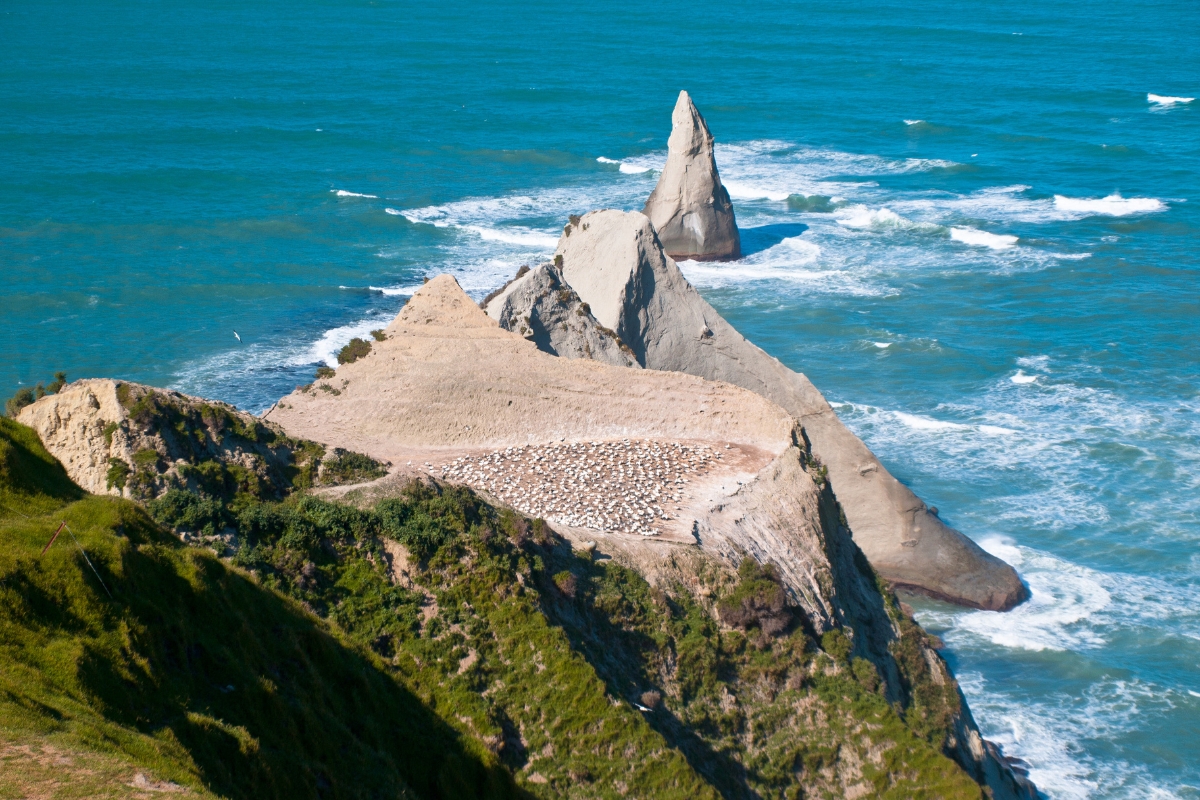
615	263
689	207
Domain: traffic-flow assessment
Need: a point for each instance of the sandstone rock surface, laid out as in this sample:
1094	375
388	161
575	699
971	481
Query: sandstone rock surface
452	395
689	207
542	308
614	261
151	436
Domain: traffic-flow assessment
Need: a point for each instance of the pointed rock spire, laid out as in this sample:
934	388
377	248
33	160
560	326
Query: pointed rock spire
689	207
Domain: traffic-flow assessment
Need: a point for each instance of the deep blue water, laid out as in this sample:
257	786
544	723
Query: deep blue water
171	174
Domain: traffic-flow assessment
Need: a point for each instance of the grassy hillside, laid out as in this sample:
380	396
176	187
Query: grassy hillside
190	671
429	646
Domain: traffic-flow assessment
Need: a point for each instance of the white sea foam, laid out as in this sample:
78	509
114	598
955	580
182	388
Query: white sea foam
1112	206
394	212
918	422
630	168
395	291
521	236
862	217
604	160
745	191
1167	100
325	349
1034	362
979	238
1051	735
344	193
1022	378
882	345
913	121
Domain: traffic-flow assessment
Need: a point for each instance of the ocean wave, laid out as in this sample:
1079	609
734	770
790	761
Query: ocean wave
913	121
745	191
344	193
630	168
395	291
604	160
862	217
395	212
1021	378
979	238
1063	595
325	349
520	236
1166	101
1112	206
1053	735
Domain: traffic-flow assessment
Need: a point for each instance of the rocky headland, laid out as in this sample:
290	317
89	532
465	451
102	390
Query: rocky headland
583	539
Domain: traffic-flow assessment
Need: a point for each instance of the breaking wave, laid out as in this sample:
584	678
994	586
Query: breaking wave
1112	206
978	238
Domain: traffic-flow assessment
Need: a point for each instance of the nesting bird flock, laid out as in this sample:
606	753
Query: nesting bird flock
627	486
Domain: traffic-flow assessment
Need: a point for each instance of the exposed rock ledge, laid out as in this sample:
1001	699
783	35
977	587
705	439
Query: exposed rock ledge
615	263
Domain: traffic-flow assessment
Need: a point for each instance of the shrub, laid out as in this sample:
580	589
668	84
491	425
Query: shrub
325	371
146	458
865	673
56	385
379	335
837	644
18	401
180	509
109	430
350	467
758	601
356	349
566	583
118	473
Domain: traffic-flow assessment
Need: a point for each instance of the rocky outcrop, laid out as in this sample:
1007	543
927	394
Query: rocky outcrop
541	307
116	437
689	207
615	263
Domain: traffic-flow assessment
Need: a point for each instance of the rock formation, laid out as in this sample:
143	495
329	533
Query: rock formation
122	438
541	307
689	207
614	261
451	395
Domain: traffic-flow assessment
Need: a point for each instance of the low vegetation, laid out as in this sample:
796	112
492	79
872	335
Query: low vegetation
429	645
27	395
356	349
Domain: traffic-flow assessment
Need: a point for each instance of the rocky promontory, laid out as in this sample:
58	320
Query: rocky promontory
615	263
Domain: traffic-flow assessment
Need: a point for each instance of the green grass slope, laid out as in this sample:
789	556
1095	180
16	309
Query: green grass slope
190	671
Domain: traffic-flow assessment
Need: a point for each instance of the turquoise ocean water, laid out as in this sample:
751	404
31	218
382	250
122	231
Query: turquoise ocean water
1003	301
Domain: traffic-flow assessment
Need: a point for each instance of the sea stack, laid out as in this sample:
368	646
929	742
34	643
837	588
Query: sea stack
689	207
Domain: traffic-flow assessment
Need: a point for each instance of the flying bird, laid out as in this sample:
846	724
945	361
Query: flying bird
236	335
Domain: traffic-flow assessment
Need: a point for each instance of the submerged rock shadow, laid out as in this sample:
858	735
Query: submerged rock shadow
764	237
